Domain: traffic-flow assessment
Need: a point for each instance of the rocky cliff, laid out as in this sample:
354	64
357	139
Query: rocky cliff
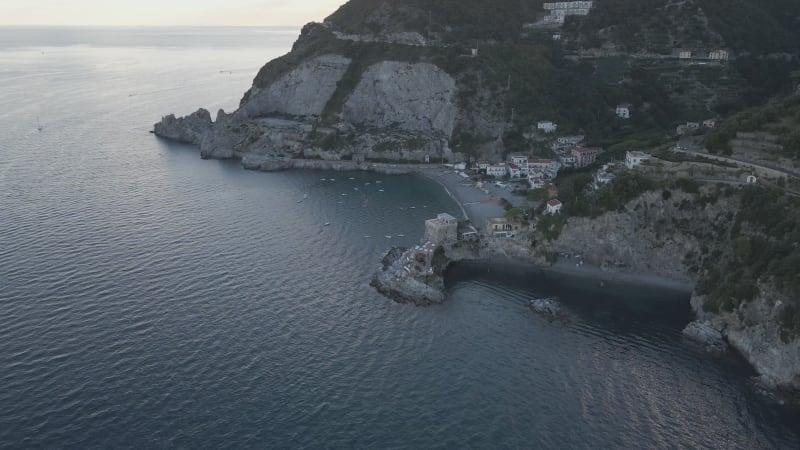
754	331
409	80
416	98
686	237
664	235
302	92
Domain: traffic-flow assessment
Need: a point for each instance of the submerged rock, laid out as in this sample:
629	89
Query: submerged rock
548	307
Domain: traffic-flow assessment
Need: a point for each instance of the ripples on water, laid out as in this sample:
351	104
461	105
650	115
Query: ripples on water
152	299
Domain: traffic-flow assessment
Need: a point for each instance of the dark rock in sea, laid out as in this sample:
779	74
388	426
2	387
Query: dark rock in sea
547	307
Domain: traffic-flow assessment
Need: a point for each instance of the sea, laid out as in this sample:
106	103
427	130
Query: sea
151	299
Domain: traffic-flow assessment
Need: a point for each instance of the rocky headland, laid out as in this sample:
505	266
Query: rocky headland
380	84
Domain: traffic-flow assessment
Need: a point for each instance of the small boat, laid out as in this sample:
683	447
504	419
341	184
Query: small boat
344	195
379	182
351	178
39	126
322	179
388	236
412	207
380	190
401	235
326	224
366	236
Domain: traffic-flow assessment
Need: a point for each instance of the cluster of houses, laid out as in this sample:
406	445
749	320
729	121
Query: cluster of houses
713	55
690	127
538	171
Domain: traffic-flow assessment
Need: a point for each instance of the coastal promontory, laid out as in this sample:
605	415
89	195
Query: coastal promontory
647	137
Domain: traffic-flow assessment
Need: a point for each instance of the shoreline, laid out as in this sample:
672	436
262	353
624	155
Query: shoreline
476	206
585	272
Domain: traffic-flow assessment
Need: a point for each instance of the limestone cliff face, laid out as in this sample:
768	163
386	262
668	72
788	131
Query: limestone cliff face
416	98
302	92
397	111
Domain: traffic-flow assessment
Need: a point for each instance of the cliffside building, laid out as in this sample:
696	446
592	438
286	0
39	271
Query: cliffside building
634	159
497	170
585	156
718	55
558	11
553	206
500	227
624	111
444	228
547	126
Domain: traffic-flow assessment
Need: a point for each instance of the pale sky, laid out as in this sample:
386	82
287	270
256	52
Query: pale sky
165	12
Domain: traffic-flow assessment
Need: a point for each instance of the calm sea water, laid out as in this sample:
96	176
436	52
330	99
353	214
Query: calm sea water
150	299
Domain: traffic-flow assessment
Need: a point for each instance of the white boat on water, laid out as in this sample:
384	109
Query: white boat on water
388	236
326	224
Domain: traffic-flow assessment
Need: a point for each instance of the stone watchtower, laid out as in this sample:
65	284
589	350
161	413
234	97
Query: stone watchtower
444	228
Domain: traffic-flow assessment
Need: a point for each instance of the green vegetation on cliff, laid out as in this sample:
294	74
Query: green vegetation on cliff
781	120
764	246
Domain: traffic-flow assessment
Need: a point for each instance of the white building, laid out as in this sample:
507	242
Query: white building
497	170
603	177
570	140
553	206
547	126
519	160
558	11
500	227
633	159
536	181
718	55
543	165
624	111
514	171
710	123
568	160
685	54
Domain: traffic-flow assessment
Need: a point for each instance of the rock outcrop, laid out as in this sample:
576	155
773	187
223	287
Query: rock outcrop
707	333
655	235
393	281
754	332
302	92
547	307
190	129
